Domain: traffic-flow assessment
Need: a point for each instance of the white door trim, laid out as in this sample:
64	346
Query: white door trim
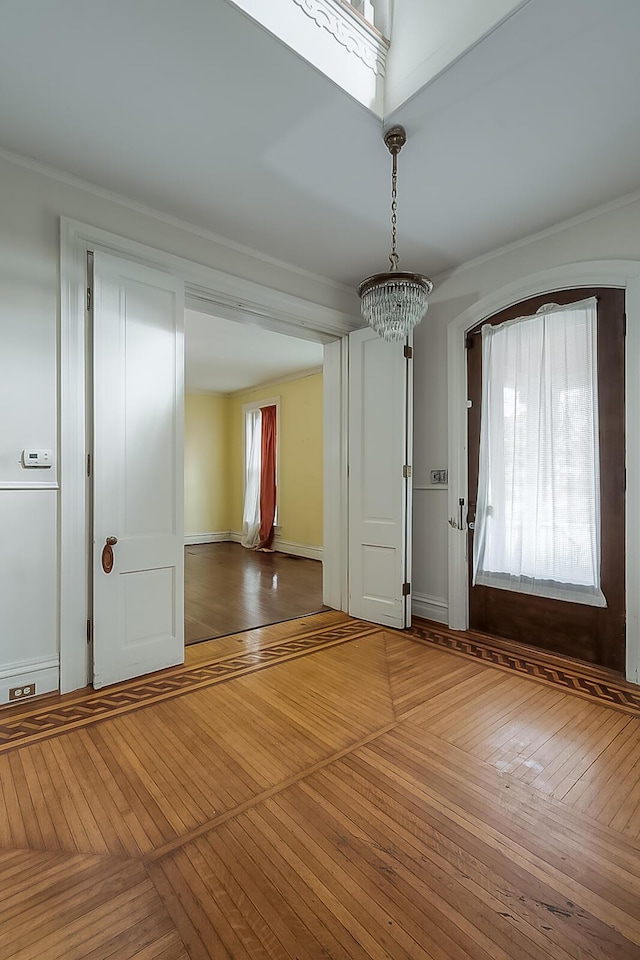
335	534
207	290
623	274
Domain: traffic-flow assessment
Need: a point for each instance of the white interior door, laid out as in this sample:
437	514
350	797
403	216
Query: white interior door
138	470
380	411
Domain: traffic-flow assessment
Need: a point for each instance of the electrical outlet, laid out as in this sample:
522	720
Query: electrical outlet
20	693
439	476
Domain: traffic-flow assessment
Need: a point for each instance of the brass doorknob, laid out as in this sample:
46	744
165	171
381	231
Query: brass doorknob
107	554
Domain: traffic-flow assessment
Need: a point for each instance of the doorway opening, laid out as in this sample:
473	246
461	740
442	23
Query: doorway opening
241	573
149	635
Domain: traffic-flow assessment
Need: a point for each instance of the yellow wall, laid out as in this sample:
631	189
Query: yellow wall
300	477
206	473
214	461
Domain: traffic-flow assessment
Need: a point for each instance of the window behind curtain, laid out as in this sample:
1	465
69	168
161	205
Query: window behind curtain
252	462
538	509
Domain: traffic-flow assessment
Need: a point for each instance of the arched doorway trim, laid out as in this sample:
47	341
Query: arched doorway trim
624	274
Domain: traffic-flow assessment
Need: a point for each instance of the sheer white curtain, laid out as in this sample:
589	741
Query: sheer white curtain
252	454
538	505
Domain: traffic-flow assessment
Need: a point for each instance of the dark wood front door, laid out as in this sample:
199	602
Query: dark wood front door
590	633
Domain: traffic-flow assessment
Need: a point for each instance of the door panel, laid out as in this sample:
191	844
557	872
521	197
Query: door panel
137	469
588	633
379	404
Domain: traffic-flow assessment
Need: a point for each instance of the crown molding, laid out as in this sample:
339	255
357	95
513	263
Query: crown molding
230	394
54	173
204	392
300	375
627	200
349	29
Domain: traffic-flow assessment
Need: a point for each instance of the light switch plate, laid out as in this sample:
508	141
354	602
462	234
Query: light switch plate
439	476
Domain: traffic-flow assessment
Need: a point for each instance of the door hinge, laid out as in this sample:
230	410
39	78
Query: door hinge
88	298
624	324
88	464
406	589
406	471
408	352
89	631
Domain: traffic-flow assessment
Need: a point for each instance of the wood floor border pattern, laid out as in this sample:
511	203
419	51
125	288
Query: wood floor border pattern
577	680
51	722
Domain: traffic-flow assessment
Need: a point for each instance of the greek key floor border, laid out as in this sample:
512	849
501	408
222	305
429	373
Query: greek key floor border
53	721
551	669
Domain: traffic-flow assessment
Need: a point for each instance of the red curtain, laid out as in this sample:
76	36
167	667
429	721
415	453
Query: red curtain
267	478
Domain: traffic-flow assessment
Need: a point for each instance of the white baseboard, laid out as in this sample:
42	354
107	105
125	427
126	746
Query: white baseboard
285	546
45	673
279	545
431	608
217	536
297	549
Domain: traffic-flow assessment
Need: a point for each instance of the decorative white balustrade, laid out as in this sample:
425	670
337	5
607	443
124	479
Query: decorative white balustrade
364	7
375	12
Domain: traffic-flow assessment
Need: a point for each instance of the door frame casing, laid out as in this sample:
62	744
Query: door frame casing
335	466
622	274
208	290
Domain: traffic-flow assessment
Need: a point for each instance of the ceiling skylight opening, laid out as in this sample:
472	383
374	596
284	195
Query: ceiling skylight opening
344	39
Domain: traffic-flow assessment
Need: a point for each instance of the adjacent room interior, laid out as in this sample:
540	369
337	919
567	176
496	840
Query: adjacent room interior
233	373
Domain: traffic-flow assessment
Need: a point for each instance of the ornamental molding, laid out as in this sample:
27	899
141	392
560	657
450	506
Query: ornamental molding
346	27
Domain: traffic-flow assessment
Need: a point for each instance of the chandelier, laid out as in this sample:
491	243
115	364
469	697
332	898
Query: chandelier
393	303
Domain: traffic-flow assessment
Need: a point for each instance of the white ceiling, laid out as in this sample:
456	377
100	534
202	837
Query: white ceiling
222	356
193	109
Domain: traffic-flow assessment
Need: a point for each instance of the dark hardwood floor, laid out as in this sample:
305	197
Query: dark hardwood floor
229	589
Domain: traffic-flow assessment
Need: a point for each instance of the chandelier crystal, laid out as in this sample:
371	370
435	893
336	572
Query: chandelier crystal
393	303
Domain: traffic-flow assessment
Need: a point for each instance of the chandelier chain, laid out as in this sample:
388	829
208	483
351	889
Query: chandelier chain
394	258
393	303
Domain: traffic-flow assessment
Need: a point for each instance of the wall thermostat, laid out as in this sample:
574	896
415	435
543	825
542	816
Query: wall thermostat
37	458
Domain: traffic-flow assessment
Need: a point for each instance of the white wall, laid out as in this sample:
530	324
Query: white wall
28	517
31	203
28	588
609	233
430	35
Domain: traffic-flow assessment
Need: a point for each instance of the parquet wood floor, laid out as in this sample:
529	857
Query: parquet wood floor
324	789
